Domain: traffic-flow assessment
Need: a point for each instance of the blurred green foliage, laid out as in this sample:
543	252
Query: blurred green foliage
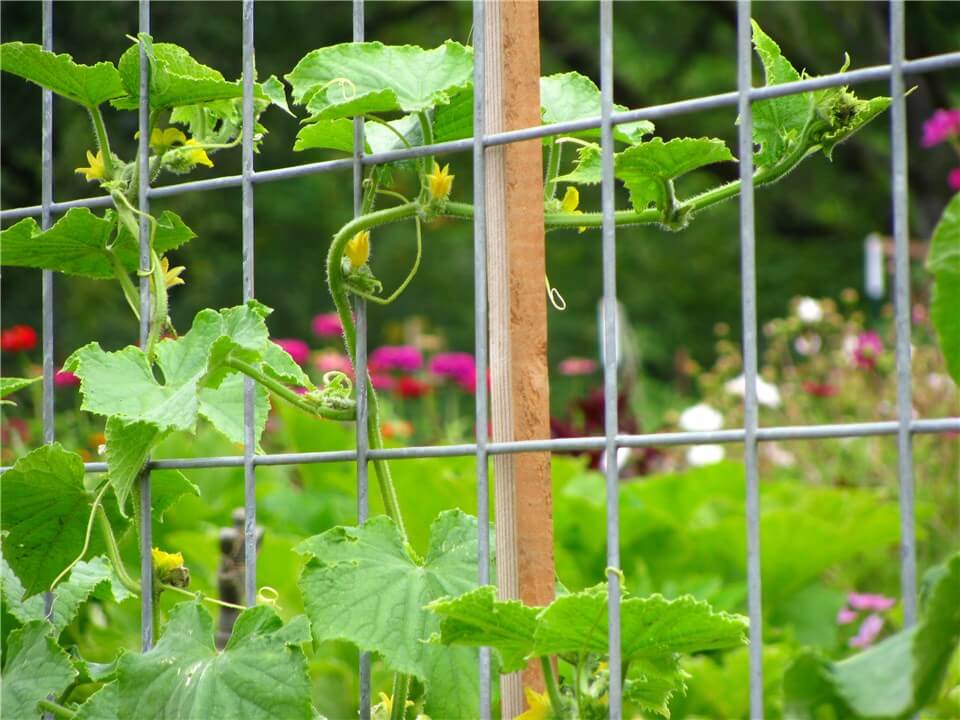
675	286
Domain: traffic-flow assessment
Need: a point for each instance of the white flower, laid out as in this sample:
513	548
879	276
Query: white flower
767	394
809	310
778	455
700	455
807	344
700	418
623	456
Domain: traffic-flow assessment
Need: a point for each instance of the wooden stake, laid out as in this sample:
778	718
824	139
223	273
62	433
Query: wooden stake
518	318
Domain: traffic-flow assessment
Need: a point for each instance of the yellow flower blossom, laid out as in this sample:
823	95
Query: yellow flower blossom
171	275
197	156
570	202
440	182
358	249
538	706
96	171
164	563
161	140
386	704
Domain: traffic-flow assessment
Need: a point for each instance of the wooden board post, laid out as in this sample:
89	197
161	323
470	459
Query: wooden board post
518	318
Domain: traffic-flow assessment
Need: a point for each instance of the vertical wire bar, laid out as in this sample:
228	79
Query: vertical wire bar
46	195
360	362
143	203
610	355
898	140
749	308
481	409
249	422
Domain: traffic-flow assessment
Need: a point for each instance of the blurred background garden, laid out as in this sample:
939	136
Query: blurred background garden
829	522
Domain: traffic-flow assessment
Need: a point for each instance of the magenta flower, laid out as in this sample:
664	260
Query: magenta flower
870	601
867	634
65	378
405	358
327	325
457	366
297	349
846	616
332	360
383	382
865	349
577	366
943	125
953	179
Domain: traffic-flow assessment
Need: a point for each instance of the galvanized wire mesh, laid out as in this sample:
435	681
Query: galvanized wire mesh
749	435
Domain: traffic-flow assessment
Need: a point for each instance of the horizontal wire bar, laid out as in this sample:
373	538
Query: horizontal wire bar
653	112
769	434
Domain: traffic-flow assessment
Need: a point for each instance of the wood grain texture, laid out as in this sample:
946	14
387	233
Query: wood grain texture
518	319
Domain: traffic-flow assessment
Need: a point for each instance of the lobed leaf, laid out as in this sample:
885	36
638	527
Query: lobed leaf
45	514
80	243
176	78
478	619
34	668
350	78
943	261
10	385
363	585
261	674
89	85
944	252
571	96
104	704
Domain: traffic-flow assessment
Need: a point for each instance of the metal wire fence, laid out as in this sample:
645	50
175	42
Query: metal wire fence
481	449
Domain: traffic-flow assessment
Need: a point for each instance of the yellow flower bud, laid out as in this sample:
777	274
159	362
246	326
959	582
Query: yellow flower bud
440	182
570	202
161	140
164	563
358	249
96	170
199	155
171	275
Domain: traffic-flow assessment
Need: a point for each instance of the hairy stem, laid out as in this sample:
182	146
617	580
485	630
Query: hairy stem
401	684
113	552
554	153
555	702
285	393
103	141
338	290
57	710
426	130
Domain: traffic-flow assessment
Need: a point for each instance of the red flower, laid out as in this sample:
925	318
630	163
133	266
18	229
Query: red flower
19	338
65	378
819	389
411	387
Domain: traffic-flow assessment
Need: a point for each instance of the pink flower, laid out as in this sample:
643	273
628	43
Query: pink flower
297	349
943	125
577	366
846	616
457	366
383	382
65	378
953	179
870	601
327	325
865	349
331	360
820	389
869	629
396	357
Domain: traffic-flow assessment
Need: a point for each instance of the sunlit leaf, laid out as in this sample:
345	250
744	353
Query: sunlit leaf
89	85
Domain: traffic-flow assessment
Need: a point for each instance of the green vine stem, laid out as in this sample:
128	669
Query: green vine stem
401	684
551	682
56	710
113	552
285	393
426	130
341	299
103	141
554	154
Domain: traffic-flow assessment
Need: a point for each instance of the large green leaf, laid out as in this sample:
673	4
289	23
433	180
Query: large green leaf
34	668
128	446
45	513
572	96
777	122
10	385
175	77
104	704
359	78
86	578
893	679
89	85
647	168
650	626
261	674
362	584
80	243
477	618
944	261
122	384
